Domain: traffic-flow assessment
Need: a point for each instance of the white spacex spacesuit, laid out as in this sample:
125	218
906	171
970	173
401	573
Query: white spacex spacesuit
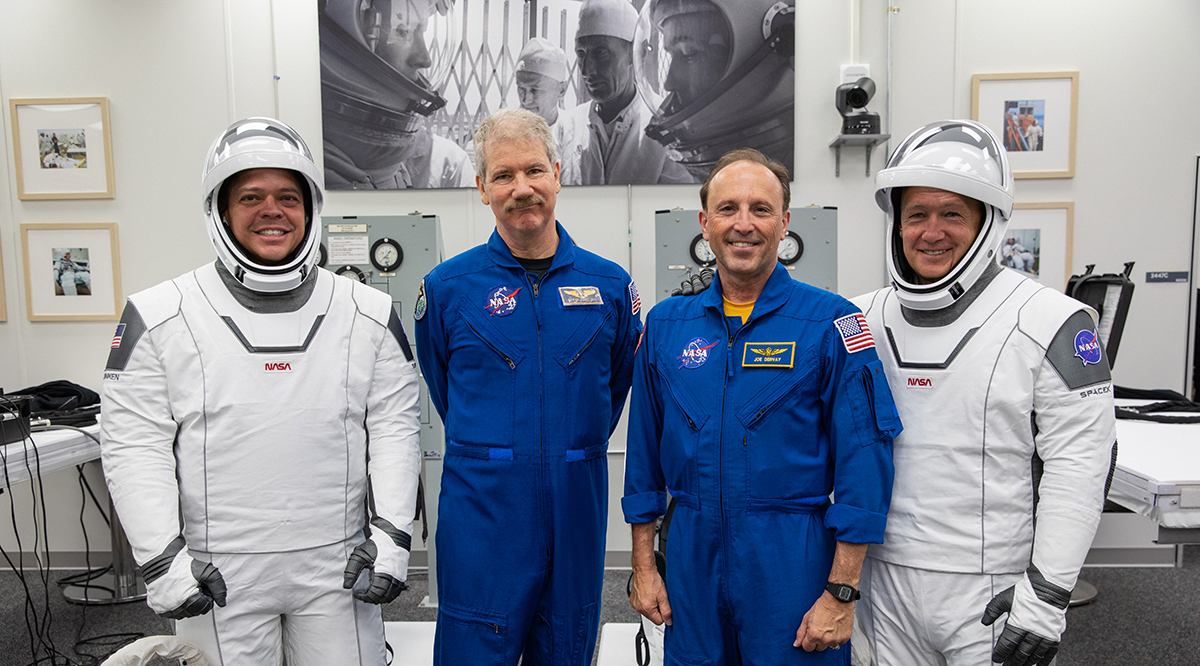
1006	401
255	419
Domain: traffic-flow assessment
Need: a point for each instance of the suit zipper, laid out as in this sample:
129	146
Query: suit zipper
509	361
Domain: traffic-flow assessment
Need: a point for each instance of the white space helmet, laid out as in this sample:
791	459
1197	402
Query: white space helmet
256	143
960	156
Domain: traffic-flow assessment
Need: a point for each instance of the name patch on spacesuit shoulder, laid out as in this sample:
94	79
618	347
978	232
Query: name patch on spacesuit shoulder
695	353
768	354
580	296
855	333
501	300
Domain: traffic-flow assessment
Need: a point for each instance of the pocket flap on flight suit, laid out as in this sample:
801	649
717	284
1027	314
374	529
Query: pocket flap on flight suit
488	334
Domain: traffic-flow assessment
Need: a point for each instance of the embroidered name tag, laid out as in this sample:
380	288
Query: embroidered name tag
768	354
580	296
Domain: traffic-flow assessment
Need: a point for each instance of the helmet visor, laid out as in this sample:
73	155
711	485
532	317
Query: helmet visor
682	49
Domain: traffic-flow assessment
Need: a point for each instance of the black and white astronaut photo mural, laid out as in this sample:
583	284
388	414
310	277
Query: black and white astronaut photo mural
635	91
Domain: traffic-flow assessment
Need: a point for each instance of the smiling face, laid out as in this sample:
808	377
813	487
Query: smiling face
266	213
744	221
521	186
936	230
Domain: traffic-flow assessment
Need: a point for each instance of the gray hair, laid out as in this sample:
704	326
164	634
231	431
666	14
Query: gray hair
511	125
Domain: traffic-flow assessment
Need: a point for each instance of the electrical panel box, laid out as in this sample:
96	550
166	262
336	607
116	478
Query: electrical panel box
809	252
393	253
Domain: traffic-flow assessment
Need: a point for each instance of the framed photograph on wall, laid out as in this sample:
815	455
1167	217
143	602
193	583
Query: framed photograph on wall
1034	115
3	303
72	272
1038	242
62	148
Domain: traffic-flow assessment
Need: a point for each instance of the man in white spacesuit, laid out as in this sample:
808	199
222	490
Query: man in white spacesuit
260	427
1005	395
616	149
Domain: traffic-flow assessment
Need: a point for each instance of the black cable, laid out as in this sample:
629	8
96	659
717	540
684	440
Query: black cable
110	643
43	531
42	646
19	568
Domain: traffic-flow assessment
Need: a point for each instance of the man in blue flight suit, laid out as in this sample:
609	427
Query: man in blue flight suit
527	344
754	401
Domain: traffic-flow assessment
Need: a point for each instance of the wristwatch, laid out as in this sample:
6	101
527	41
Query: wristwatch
842	592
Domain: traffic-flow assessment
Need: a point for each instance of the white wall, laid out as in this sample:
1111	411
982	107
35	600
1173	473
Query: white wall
178	73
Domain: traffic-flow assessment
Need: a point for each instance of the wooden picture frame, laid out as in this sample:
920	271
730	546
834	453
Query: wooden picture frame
62	148
1035	116
3	302
72	272
1042	235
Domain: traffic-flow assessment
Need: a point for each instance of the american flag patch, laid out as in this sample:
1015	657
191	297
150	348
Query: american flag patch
855	333
635	298
117	336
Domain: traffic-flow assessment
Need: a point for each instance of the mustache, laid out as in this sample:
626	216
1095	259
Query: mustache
525	202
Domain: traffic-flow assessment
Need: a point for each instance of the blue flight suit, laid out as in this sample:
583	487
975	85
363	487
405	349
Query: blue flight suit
530	378
751	427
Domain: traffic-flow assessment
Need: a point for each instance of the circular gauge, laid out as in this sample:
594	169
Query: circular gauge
791	248
322	255
701	252
353	273
386	255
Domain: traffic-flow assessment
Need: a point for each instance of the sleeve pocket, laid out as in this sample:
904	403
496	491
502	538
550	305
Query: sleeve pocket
879	396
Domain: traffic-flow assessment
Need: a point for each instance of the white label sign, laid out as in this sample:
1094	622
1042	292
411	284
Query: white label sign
347	250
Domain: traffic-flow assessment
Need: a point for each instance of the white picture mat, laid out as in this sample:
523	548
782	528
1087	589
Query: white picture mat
39	269
89	118
1058	128
1054	223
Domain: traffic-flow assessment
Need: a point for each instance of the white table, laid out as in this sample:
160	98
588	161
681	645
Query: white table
49	451
55	449
1158	475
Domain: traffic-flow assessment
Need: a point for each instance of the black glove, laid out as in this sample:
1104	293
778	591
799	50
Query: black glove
1016	646
386	571
178	586
694	283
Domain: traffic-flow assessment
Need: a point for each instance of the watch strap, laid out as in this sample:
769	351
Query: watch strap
843	592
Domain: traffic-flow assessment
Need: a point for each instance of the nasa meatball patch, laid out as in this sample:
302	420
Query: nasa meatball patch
1087	346
695	353
1077	354
501	300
